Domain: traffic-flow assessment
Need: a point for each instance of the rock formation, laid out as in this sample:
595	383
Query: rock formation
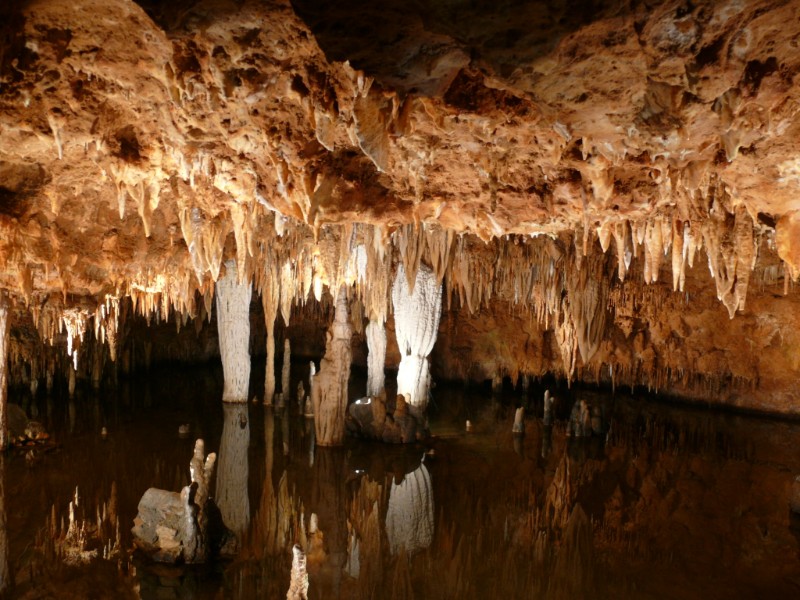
329	390
172	526
606	194
233	323
417	304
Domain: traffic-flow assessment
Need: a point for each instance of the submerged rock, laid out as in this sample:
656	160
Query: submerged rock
186	527
368	418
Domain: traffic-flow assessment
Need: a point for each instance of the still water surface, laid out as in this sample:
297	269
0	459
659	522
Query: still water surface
669	502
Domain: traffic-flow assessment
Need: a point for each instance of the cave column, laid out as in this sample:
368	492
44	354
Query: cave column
416	318
269	299
329	392
376	356
4	329
286	372
233	324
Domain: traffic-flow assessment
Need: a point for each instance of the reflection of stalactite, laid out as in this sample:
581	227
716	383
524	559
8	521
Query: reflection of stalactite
365	551
328	502
573	575
232	496
409	518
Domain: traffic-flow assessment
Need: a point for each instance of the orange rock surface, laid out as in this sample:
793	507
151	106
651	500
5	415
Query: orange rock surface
567	169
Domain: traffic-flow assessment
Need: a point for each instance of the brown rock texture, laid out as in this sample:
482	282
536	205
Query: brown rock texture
572	166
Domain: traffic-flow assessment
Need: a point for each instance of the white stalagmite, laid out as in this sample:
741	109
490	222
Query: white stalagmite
312	370
286	372
233	324
409	517
4	331
376	358
416	318
329	391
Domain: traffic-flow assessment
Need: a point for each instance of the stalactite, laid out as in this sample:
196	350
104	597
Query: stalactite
233	324
329	390
417	316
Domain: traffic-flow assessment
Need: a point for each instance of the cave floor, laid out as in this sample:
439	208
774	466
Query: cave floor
668	502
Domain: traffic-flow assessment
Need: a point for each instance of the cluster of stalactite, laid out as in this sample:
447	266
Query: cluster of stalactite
572	284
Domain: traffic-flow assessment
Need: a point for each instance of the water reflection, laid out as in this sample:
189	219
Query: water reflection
4	570
666	503
409	518
232	469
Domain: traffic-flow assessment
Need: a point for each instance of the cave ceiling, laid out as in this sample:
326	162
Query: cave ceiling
143	144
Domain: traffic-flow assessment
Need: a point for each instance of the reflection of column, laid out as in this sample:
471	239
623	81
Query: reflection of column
409	519
232	469
4	571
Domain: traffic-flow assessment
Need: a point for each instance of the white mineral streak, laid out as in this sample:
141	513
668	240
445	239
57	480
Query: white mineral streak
376	358
233	324
416	318
312	370
329	391
232	495
4	338
409	518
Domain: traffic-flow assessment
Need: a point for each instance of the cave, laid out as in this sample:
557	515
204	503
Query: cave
456	299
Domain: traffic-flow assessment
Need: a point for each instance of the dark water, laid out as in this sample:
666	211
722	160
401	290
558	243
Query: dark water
668	503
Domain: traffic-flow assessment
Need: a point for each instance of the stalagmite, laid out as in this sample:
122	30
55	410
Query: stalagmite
298	581
4	338
286	372
519	421
312	370
548	408
376	358
416	318
233	323
72	382
329	391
